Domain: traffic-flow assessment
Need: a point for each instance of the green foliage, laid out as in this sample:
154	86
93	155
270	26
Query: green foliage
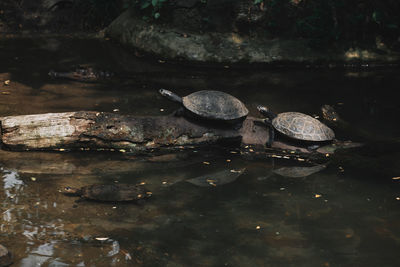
324	21
154	6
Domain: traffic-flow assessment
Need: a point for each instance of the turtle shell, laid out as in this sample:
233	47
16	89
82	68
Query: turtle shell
303	127
114	192
215	105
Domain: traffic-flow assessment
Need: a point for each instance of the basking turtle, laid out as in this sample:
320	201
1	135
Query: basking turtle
212	105
5	256
297	126
110	192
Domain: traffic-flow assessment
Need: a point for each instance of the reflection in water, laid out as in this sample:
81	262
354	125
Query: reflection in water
12	183
345	216
216	178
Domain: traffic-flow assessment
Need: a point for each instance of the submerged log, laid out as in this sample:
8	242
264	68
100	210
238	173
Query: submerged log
99	130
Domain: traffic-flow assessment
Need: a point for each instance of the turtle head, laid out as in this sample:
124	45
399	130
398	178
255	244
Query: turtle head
329	113
266	112
71	190
170	95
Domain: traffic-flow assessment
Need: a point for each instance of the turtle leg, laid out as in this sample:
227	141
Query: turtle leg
313	147
238	125
271	133
179	112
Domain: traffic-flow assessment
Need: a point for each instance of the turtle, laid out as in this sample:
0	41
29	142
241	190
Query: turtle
5	256
211	105
110	192
297	126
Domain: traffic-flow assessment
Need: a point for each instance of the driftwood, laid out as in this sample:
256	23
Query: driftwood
98	130
89	130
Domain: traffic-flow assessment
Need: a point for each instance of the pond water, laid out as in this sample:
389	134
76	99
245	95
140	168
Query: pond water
344	215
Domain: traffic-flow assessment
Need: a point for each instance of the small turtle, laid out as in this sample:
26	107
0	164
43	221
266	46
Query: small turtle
297	126
5	256
110	192
211	105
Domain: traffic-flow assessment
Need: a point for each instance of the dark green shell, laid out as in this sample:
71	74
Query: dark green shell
303	127
215	105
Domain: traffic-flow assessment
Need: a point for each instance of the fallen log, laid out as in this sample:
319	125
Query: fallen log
90	130
98	130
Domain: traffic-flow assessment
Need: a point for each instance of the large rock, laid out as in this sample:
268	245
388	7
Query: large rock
168	41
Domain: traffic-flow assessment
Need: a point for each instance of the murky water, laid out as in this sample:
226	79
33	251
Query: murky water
344	215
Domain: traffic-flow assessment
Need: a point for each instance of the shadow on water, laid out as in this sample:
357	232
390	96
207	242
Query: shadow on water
345	214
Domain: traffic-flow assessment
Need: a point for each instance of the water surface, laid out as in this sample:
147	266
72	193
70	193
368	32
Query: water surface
345	215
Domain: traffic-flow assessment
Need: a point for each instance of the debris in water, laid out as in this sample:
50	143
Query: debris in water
115	109
33	178
7	82
206	162
258	227
317	195
396	178
122	150
161	109
126	253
